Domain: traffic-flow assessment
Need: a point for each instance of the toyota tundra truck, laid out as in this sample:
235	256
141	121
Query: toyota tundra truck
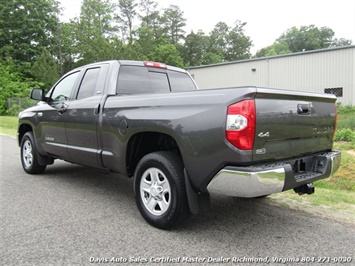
149	121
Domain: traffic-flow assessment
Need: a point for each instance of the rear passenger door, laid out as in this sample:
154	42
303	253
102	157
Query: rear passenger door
83	117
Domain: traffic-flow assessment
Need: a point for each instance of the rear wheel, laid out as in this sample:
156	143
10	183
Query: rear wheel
160	190
29	155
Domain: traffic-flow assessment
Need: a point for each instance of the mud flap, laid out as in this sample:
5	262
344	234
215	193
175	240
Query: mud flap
198	202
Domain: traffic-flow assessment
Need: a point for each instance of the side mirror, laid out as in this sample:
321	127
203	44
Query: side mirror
37	94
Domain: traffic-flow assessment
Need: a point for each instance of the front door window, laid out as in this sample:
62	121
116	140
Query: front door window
64	89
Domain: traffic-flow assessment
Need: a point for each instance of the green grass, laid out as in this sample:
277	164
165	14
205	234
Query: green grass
8	125
344	178
334	204
342	145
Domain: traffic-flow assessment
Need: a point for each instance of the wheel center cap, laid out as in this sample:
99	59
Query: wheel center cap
156	191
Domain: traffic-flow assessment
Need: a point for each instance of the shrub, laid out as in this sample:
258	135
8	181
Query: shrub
345	109
345	134
346	117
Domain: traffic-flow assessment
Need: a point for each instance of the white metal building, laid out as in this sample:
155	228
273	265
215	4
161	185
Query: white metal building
327	70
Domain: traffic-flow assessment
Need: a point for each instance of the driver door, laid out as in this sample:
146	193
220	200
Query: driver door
52	117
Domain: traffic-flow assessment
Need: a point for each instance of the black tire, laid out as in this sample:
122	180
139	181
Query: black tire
159	190
29	155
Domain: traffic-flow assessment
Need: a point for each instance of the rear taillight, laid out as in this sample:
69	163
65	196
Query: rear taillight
240	127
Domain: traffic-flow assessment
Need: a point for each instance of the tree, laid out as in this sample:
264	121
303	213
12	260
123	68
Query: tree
13	84
305	38
26	27
238	44
174	23
340	42
310	38
66	41
230	43
151	19
45	69
219	39
145	40
93	31
211	58
275	49
127	14
195	47
150	13
167	54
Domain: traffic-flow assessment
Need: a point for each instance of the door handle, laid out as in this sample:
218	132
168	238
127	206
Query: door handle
303	109
63	108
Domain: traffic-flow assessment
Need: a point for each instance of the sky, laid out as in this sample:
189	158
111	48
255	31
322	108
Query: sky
266	19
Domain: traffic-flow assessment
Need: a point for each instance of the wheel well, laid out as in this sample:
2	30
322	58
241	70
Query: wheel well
144	143
23	129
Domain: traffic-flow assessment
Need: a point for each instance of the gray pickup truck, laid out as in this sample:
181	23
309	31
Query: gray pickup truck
149	121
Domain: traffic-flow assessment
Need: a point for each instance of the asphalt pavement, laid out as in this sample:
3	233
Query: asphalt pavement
75	215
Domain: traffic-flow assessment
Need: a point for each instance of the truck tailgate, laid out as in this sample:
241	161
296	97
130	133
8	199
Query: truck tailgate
290	124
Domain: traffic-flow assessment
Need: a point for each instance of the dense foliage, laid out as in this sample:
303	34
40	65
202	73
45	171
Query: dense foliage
36	47
305	38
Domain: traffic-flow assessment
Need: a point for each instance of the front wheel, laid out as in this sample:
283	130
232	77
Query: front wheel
160	190
29	155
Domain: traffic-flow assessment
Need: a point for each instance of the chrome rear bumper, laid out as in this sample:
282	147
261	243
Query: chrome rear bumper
252	182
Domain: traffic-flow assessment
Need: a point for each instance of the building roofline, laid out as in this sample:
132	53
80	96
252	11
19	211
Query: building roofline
274	57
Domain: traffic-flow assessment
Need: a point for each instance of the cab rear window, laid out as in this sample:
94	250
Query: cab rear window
137	80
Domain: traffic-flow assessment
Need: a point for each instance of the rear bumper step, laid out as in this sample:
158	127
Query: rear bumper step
268	179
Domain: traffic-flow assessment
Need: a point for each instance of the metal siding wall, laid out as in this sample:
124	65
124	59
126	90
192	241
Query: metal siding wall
231	75
351	94
312	71
316	72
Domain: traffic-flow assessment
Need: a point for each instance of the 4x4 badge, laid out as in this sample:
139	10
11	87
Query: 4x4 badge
263	135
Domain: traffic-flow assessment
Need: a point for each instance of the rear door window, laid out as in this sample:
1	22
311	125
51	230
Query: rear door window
88	84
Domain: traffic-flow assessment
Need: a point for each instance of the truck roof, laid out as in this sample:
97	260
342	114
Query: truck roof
144	63
137	63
